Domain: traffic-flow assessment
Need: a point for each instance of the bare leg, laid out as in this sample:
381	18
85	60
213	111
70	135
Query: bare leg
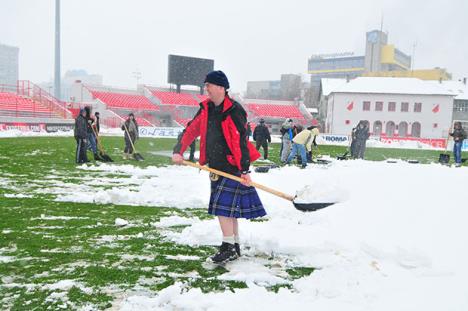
227	225
235	227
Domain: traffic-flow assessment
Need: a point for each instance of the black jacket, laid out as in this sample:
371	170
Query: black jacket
261	134
80	128
458	134
362	133
216	150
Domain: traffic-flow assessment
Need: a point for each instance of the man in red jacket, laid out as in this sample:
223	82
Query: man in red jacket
221	124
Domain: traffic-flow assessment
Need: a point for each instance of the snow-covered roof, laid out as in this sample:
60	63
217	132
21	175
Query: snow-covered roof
329	85
458	88
385	85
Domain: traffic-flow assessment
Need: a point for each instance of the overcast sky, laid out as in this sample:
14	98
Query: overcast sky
248	39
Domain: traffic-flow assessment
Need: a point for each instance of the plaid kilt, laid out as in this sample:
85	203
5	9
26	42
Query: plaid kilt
230	198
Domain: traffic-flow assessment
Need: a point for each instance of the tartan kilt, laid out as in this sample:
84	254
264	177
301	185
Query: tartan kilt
230	198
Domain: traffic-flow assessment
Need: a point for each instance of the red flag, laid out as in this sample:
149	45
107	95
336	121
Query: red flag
435	109
350	106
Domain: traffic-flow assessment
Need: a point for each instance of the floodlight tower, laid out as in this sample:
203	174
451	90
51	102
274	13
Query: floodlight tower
57	77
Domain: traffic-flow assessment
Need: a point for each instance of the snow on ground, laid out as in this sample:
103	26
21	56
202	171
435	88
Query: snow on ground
18	133
119	222
151	186
396	240
175	220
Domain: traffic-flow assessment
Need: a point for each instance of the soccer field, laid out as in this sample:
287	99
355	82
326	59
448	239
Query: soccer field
63	245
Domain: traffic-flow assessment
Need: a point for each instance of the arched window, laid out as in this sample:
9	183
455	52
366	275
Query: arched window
416	129
377	128
390	129
403	129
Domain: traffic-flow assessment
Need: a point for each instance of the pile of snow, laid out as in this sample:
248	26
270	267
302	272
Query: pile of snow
320	193
171	221
153	186
395	241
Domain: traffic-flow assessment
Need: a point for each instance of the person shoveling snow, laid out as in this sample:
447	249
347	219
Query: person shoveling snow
221	125
224	146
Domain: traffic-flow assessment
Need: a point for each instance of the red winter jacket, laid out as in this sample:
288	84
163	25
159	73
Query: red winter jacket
234	131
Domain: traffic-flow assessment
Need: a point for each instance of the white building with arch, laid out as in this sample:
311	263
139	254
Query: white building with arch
393	107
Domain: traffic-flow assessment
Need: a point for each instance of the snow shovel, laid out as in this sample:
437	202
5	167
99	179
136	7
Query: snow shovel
304	207
135	154
102	153
344	156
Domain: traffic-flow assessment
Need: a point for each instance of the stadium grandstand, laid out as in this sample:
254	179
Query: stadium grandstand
155	106
274	112
26	105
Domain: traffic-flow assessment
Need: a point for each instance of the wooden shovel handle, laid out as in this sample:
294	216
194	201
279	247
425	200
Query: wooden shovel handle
98	139
230	176
130	139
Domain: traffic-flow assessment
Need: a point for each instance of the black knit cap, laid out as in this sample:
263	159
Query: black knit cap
217	77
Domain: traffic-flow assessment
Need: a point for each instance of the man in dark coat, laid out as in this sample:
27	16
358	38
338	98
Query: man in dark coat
262	137
81	135
362	135
458	135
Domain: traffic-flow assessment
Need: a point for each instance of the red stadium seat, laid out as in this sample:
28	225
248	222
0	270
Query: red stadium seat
15	105
143	122
171	98
275	111
125	101
140	120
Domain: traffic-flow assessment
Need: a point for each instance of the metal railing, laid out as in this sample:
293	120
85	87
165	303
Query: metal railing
22	106
28	89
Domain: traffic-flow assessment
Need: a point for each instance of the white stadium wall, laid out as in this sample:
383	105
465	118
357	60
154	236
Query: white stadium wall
345	110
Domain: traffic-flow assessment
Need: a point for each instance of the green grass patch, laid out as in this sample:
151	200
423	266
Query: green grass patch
299	272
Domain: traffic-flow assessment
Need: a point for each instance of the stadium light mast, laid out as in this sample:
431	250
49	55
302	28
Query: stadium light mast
137	75
57	87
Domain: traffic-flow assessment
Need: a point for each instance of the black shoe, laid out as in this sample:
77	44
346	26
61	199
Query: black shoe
227	252
237	247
